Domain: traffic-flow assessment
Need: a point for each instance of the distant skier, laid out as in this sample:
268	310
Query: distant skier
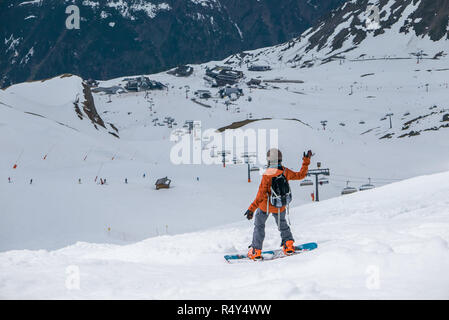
79	181
126	180
9	179
274	191
31	181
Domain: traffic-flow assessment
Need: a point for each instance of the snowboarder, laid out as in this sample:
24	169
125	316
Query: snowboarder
276	177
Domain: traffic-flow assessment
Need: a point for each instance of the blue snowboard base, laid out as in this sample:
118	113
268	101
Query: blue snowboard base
272	254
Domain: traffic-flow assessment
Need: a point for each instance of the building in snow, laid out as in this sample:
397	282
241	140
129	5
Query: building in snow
254	82
224	75
232	92
143	83
162	183
109	90
203	94
181	71
258	68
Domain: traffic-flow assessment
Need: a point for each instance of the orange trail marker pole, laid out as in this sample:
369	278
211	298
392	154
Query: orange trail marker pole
96	177
115	154
17	161
85	157
49	150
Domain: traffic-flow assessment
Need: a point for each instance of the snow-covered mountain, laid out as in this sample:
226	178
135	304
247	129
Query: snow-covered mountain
362	30
52	131
117	37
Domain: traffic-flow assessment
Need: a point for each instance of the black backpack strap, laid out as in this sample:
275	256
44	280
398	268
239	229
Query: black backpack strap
268	203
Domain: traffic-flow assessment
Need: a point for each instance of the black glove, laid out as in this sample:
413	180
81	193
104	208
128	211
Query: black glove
249	214
308	154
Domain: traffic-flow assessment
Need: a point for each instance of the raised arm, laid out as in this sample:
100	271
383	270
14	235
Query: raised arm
301	174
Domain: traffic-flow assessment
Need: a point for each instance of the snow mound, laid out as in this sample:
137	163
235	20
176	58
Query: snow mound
65	99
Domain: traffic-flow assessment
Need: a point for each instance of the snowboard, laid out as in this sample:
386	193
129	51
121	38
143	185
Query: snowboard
272	254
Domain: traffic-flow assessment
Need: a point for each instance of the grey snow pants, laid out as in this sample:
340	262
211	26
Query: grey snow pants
259	228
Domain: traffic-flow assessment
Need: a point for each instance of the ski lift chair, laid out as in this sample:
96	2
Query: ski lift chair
367	186
348	189
323	180
163	183
306	182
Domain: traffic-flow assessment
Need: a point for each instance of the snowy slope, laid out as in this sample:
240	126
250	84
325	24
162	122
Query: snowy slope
63	100
386	243
350	146
180	230
402	29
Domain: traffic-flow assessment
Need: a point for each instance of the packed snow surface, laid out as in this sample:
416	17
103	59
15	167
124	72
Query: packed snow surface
389	243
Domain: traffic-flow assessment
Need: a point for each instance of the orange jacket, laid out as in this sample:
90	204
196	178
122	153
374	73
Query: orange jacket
265	185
